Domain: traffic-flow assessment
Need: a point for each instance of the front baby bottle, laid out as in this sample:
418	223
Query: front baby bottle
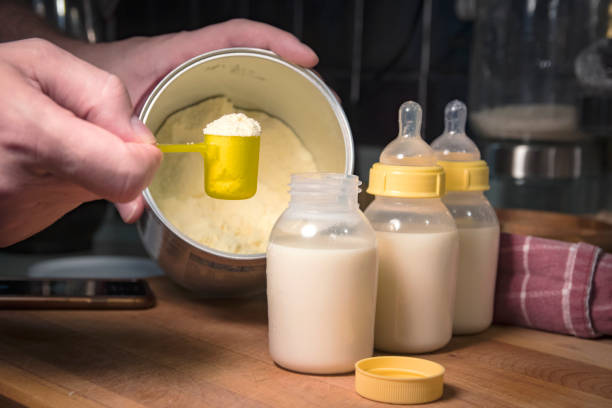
417	243
466	178
322	274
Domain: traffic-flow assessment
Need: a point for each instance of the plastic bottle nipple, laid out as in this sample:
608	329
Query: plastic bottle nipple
454	144
409	149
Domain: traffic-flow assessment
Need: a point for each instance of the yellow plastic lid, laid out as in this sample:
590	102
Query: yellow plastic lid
406	181
466	175
399	380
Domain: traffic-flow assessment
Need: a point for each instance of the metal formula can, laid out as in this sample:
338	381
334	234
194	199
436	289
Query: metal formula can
252	79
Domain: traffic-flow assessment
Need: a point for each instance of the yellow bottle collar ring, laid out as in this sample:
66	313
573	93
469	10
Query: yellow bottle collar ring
466	175
407	181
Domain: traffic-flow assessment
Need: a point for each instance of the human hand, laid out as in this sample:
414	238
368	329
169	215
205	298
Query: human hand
142	62
67	136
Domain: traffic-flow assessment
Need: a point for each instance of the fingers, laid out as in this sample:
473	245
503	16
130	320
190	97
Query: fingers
142	62
92	157
246	33
83	126
253	34
131	211
90	93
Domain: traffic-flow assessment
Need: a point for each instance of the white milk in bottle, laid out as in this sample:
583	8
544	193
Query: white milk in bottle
321	278
417	241
466	178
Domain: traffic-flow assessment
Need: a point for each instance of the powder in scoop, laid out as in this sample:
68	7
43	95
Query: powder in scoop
233	124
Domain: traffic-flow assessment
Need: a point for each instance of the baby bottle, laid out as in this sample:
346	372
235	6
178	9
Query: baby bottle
322	276
417	243
466	178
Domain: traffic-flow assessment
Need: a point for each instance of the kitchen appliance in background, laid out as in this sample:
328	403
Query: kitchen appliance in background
593	69
89	20
524	104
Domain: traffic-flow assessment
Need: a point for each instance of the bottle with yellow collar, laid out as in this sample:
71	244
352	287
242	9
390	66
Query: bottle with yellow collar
467	177
417	243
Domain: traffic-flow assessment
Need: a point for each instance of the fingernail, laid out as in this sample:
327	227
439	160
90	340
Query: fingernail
133	207
127	211
142	131
313	57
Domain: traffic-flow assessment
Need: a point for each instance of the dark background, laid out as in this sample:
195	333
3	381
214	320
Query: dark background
391	53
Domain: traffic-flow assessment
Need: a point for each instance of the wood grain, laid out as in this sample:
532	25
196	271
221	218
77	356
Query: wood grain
546	224
190	352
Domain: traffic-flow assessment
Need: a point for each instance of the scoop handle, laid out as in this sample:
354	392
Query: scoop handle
182	148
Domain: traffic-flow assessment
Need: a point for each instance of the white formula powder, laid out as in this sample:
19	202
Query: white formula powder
321	306
233	124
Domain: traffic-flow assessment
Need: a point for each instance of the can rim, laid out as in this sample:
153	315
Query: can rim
248	52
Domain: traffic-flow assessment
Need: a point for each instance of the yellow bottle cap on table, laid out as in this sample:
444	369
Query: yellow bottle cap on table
399	380
466	175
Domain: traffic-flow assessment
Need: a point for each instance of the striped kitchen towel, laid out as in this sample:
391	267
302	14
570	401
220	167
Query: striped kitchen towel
552	285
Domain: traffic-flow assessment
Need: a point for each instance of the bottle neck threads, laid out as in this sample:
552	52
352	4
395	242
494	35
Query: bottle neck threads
324	191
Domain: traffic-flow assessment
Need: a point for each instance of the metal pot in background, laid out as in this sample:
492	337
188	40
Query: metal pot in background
561	177
252	79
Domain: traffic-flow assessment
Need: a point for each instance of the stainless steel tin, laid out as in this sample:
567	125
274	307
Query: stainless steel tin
252	79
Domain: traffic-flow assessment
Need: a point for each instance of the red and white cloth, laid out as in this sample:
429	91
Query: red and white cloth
555	286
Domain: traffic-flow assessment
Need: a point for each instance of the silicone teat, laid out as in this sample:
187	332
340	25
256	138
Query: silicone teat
454	144
230	164
409	149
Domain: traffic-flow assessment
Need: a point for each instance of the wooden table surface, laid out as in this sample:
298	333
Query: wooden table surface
187	352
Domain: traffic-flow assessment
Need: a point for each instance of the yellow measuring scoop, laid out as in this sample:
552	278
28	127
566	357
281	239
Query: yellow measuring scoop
230	164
